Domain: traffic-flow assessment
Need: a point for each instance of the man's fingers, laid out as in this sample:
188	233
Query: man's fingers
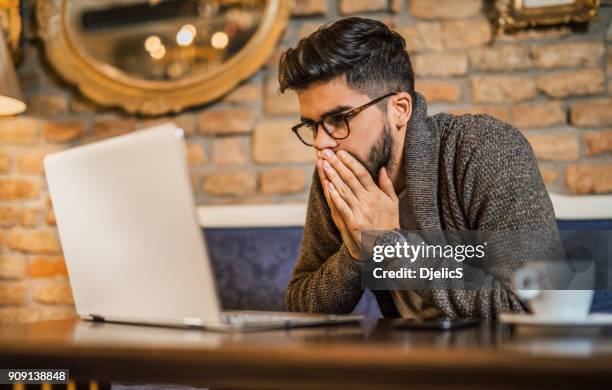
385	183
342	188
344	172
323	179
340	203
358	170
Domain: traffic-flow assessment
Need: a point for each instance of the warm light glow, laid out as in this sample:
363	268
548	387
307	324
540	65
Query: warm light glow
152	43
219	40
159	53
185	36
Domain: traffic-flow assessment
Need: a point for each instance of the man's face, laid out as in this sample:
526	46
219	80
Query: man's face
370	141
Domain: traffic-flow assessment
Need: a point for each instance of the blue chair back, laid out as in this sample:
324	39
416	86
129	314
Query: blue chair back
253	267
596	235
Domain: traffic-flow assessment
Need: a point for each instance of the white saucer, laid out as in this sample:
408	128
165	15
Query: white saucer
596	319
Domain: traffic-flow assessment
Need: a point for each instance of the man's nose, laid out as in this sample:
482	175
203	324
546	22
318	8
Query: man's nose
323	140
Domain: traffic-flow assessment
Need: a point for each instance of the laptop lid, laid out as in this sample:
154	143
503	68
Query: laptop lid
127	224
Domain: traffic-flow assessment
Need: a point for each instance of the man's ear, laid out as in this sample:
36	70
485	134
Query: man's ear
401	109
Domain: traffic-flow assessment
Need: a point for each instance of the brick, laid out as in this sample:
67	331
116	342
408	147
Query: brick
503	57
64	131
246	93
573	82
440	91
50	218
15	314
347	7
12	267
19	131
30	217
196	154
230	183
15	189
598	142
308	7
40	242
5	162
577	54
229	150
10	215
532	34
112	127
500	112
274	59
282	181
396	5
306	29
274	142
31	161
47	267
48	105
53	292
591	113
538	115
228	121
589	178
549	176
462	34
555	147
422	37
444	9
499	89
277	103
440	64
12	293
184	121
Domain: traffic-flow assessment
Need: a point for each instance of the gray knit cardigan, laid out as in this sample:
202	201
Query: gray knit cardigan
467	172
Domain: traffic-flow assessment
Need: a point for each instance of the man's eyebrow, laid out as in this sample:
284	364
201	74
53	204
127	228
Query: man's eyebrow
335	110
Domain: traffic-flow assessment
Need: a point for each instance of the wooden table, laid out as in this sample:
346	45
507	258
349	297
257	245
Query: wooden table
369	355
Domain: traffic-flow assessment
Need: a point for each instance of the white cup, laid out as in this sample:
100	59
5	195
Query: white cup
538	284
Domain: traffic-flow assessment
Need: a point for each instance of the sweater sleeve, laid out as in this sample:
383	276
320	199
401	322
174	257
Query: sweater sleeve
503	193
326	279
500	191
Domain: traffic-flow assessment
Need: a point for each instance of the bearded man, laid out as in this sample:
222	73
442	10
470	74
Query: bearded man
383	164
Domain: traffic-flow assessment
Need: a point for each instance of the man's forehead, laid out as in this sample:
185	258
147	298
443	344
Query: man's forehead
324	97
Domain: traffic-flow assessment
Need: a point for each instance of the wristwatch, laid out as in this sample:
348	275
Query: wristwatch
390	237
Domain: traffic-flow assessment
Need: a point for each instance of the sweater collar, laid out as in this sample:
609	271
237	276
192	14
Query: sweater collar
421	154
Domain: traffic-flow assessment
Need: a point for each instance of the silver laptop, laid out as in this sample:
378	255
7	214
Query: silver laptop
133	247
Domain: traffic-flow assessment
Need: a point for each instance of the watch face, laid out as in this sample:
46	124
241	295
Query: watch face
390	237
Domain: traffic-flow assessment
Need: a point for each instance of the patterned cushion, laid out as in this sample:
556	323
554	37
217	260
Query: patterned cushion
253	267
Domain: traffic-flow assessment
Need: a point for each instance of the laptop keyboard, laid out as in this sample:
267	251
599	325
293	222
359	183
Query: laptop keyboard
241	318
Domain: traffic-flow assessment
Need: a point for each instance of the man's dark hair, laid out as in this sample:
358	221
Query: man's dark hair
373	58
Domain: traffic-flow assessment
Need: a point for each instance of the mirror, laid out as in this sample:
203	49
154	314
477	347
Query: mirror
157	56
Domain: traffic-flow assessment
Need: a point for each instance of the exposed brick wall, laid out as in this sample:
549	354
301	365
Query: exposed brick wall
554	84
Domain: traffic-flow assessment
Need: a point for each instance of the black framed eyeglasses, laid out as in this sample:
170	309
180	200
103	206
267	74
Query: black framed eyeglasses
336	125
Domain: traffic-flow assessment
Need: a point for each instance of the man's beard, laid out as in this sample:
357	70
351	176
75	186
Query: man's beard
380	155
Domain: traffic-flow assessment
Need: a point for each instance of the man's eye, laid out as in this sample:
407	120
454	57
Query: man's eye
334	120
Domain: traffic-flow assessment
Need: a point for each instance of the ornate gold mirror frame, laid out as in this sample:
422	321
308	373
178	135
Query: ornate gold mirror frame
107	86
518	14
10	23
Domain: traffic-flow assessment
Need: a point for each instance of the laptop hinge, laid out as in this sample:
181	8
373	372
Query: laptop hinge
97	318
